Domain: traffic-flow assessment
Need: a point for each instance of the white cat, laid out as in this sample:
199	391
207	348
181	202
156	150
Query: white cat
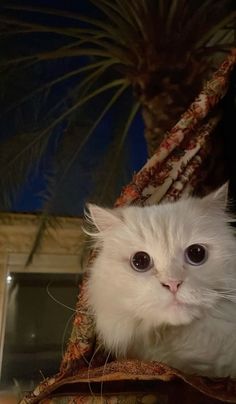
163	286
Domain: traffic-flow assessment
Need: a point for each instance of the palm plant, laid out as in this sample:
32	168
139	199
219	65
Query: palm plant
148	56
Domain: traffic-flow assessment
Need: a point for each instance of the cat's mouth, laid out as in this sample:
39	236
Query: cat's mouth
180	306
178	312
178	303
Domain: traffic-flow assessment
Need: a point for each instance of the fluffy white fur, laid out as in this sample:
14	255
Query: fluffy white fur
136	316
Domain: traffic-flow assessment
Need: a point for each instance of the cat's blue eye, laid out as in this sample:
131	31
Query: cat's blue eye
141	261
196	254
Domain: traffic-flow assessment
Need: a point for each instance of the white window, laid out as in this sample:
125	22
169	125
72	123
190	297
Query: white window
37	309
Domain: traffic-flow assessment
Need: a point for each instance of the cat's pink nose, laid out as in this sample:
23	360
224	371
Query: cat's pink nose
172	285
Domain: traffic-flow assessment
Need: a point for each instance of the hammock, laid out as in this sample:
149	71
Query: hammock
182	164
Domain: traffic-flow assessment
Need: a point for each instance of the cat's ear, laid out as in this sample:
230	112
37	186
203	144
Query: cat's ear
219	197
102	218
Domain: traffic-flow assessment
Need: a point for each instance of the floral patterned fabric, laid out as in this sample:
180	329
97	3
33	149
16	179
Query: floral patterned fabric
179	166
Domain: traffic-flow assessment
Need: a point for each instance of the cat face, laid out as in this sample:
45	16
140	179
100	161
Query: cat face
162	264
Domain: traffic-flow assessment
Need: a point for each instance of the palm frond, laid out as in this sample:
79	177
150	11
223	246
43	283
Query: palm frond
82	89
58	54
115	157
51	83
81	141
15	167
106	27
33	27
45	221
216	29
92	66
65	159
117	8
24	151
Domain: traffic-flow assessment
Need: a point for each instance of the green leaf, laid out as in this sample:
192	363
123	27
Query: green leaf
17	158
213	30
66	160
51	83
106	27
28	149
87	136
114	157
33	27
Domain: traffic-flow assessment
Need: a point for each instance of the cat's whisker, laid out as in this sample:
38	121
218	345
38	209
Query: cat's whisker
231	298
208	292
217	311
68	321
227	294
227	289
103	373
228	256
56	300
221	313
64	333
89	368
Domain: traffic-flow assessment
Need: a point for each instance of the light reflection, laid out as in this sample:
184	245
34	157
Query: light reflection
9	279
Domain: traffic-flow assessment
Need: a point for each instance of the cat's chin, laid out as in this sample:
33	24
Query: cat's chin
178	313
